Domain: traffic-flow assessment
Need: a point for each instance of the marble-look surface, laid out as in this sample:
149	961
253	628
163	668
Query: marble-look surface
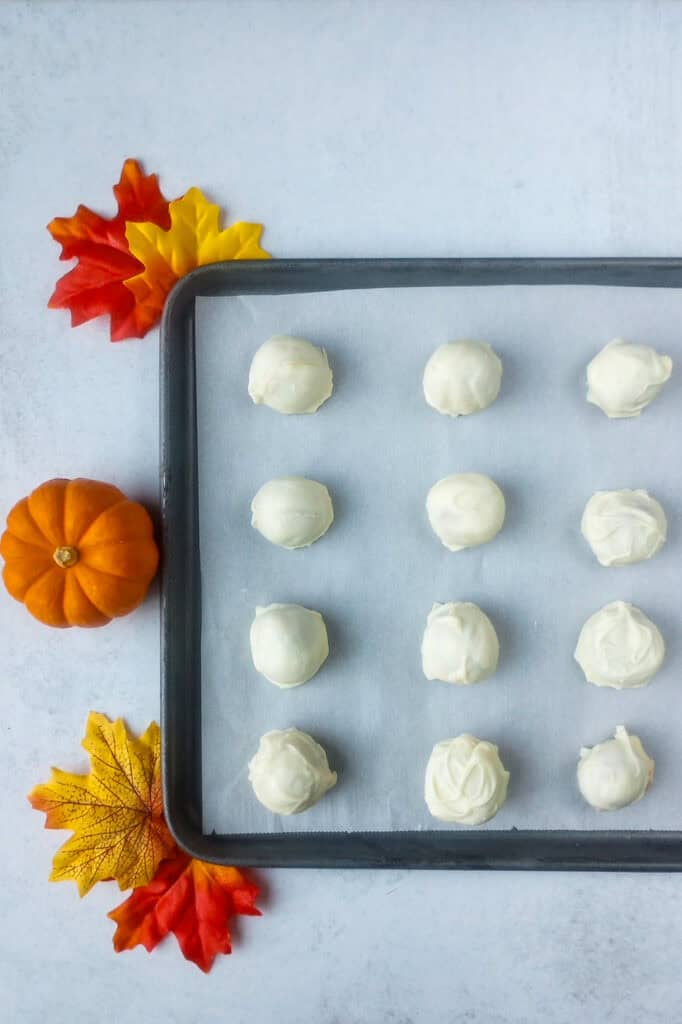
503	128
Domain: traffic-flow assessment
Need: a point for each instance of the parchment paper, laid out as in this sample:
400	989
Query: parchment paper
374	576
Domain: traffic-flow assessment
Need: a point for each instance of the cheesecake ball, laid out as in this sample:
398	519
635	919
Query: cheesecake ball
623	527
289	772
615	773
459	645
290	375
623	379
288	643
465	781
620	647
292	512
465	510
462	377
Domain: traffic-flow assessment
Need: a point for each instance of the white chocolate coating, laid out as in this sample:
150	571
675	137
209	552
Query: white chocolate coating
288	643
292	512
619	646
465	509
289	772
465	781
623	379
459	645
290	375
462	377
623	527
615	773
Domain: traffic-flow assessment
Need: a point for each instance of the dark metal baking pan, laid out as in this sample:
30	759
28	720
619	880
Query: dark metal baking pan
181	584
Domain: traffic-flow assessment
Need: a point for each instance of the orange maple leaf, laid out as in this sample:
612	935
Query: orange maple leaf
95	285
193	239
115	811
191	899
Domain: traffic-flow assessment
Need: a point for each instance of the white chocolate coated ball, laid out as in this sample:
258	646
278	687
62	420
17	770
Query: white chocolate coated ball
459	645
615	773
466	781
623	379
290	375
623	527
288	643
465	510
462	377
289	772
292	512
620	647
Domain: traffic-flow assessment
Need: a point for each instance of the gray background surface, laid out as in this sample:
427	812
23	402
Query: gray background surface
546	128
375	575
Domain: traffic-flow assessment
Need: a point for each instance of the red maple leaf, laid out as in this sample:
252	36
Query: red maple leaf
96	286
191	899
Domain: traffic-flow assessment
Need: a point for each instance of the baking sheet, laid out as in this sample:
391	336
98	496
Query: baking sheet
374	576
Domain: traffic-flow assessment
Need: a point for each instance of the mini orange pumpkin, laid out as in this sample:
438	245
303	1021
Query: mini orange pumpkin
78	553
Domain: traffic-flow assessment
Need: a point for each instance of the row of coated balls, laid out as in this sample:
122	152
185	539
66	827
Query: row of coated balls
466	781
466	510
293	376
618	647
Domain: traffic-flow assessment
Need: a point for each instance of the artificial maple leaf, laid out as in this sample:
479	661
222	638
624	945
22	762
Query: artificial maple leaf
191	899
193	239
115	811
95	285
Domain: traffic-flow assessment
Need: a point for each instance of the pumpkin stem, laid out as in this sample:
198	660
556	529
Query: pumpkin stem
66	556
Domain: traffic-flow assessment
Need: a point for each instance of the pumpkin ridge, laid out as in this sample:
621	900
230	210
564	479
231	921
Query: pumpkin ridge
99	515
33	551
127	539
92	582
35	523
37	580
39	494
75	582
39	576
21	522
112	575
91	599
59	577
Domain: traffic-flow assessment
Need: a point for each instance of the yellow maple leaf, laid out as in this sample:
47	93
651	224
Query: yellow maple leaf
193	239
115	812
